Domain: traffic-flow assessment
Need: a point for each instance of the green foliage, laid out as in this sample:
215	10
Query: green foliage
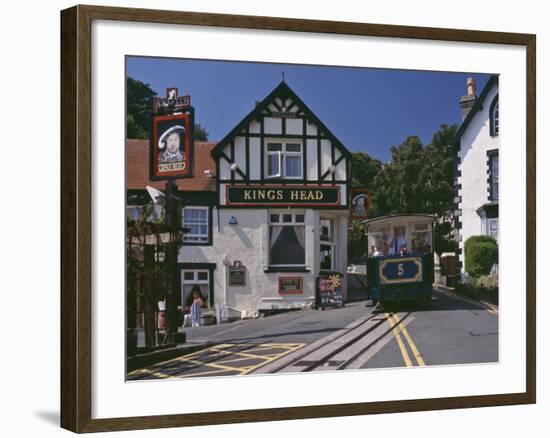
443	235
201	134
356	241
364	169
418	179
397	188
139	98
480	254
484	288
488	282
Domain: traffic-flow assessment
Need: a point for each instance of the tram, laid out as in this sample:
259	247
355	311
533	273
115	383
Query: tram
400	257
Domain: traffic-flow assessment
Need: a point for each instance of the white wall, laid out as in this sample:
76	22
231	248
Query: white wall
247	241
475	143
32	388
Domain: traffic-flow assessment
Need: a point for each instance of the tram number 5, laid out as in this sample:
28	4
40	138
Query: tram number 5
400	270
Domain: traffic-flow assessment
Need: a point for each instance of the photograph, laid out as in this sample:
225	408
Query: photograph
287	218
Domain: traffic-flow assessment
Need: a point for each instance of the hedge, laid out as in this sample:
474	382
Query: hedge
480	254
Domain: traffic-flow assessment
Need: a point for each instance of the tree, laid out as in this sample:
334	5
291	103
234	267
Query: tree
398	187
438	171
364	168
139	98
201	134
139	101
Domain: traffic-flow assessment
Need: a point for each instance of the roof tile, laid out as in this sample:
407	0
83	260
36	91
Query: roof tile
137	168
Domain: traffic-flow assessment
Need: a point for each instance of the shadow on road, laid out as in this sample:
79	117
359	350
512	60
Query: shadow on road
440	302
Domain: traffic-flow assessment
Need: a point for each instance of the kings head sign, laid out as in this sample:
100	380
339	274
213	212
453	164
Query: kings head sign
282	195
172	146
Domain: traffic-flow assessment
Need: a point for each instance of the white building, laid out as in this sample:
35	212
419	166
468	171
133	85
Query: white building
477	175
275	215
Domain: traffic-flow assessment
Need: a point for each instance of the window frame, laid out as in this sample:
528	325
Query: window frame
492	181
427	232
488	222
494	118
331	243
292	223
208	299
208	241
283	154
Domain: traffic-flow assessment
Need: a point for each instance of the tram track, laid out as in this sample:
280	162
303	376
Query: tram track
341	358
340	350
379	338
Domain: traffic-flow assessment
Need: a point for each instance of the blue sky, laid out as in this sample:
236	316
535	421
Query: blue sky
369	110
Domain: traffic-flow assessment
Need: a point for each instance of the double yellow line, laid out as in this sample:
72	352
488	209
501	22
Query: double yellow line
398	328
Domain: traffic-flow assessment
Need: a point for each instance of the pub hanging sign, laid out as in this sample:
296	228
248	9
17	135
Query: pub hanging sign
242	195
172	138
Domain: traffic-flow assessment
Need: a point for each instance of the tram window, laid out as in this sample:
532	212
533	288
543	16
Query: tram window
378	243
421	238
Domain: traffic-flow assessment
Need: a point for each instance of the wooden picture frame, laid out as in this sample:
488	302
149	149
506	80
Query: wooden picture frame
76	217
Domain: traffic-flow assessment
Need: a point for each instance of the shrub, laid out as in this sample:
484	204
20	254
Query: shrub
489	282
480	253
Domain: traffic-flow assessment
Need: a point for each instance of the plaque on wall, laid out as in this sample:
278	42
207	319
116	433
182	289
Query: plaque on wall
237	274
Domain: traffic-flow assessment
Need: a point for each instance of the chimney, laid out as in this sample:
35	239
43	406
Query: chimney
468	101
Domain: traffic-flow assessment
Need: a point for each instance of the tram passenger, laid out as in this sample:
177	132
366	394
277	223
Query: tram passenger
374	251
398	241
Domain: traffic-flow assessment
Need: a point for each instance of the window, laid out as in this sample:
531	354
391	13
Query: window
492	228
133	212
326	237
195	279
274	159
378	240
287	239
494	117
493	177
284	160
196	219
421	238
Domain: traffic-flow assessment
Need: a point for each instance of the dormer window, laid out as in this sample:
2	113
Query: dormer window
494	117
284	160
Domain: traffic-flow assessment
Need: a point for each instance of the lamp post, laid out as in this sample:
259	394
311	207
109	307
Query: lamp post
173	206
